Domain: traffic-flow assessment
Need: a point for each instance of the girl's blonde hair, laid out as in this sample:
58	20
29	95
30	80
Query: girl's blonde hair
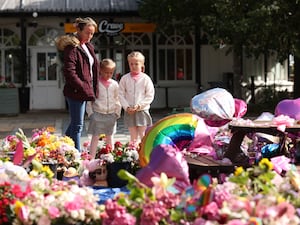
82	22
107	63
137	55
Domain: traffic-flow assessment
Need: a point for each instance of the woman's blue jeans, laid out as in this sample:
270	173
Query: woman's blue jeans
76	111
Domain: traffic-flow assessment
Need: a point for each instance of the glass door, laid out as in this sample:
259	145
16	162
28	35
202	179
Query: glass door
46	80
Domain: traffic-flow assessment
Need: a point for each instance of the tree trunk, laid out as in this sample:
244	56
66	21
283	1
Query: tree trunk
297	77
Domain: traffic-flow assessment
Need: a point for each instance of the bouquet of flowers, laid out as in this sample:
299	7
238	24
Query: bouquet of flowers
43	146
120	153
9	193
57	202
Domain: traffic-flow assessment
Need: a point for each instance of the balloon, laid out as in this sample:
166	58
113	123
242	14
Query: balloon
288	107
240	108
216	106
166	159
176	130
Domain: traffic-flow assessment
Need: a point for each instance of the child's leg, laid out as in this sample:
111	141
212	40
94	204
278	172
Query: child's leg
93	146
141	132
133	134
109	140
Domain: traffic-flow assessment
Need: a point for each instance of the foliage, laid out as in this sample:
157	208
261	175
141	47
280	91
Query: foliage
248	25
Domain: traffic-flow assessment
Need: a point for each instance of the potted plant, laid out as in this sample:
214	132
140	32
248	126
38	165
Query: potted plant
120	156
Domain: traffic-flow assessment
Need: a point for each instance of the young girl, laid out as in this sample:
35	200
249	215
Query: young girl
136	93
106	109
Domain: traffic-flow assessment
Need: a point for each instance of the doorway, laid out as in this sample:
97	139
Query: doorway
46	89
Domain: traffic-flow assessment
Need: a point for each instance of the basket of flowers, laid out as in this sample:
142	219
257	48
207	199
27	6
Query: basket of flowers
111	159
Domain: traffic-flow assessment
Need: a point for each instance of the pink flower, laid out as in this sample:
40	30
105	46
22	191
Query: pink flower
285	209
75	204
124	219
23	213
236	222
44	220
53	212
211	211
86	144
116	215
240	204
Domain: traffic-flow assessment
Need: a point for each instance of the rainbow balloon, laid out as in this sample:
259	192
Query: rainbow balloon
177	130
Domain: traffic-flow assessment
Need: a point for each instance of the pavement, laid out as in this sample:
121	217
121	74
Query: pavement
59	119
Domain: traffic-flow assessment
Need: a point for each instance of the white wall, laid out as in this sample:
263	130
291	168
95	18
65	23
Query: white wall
214	62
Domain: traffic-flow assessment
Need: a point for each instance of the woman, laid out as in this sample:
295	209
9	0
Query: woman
81	69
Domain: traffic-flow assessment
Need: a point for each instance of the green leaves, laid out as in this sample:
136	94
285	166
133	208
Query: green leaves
260	27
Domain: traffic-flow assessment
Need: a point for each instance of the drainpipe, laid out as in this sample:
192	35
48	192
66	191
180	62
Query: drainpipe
23	51
23	44
198	57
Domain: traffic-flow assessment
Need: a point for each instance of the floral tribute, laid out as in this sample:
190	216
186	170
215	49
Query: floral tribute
43	201
43	147
256	195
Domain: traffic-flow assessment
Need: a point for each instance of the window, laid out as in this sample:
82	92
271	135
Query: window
10	56
43	37
138	42
47	66
175	57
118	47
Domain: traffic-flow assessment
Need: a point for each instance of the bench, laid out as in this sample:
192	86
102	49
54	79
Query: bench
207	165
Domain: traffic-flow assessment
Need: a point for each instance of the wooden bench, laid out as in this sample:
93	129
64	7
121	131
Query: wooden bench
207	165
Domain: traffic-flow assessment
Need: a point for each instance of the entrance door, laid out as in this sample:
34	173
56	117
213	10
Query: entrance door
46	91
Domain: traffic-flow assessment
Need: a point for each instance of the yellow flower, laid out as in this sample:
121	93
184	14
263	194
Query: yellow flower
265	163
295	179
47	171
280	199
101	136
50	129
238	171
29	152
18	206
67	140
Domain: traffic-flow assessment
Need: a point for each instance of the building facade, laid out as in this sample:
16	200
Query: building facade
180	65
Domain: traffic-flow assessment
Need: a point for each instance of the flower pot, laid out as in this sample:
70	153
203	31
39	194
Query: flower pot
113	180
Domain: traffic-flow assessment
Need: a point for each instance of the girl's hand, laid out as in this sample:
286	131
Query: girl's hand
130	110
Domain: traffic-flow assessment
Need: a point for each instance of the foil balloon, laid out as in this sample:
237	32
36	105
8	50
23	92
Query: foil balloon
177	130
166	159
240	107
288	107
216	106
